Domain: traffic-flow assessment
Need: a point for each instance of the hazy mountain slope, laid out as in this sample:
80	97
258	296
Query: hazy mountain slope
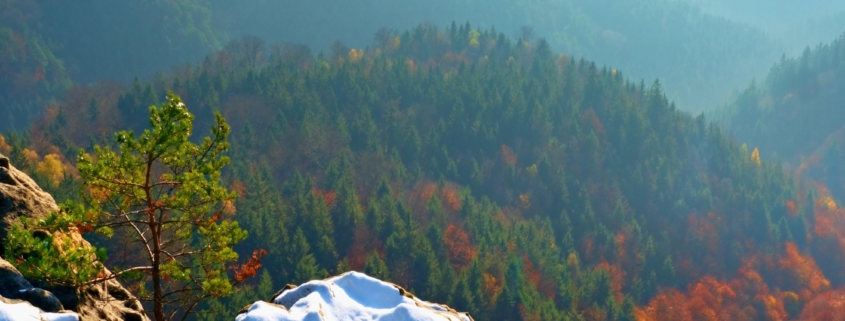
795	24
46	44
700	58
30	71
796	114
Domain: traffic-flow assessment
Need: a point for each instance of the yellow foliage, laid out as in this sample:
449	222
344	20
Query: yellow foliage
531	170
355	55
790	296
613	72
525	200
31	156
572	260
4	147
755	156
229	208
473	38
98	193
397	42
492	285
828	202
51	168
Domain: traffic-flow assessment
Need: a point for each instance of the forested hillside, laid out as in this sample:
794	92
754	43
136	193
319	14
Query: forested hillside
31	72
47	44
793	114
700	58
488	173
44	45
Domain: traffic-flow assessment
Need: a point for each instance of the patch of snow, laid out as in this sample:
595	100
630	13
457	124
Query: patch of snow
349	296
26	312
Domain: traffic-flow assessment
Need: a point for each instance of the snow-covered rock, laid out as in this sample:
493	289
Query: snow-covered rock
23	311
349	296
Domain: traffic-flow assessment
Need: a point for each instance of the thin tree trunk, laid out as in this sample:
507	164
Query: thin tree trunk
158	304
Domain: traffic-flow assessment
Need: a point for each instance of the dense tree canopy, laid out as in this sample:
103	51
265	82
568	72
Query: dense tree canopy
496	176
792	115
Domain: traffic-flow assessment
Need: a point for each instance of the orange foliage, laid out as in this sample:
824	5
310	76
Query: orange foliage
451	199
363	242
4	147
803	269
531	273
666	305
829	220
791	209
492	286
827	306
459	249
329	197
755	156
508	156
746	297
250	268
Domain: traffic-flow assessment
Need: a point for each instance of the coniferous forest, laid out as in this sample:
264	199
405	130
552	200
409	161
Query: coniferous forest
482	169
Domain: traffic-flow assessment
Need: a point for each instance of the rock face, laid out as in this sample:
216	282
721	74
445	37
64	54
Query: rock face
21	196
349	296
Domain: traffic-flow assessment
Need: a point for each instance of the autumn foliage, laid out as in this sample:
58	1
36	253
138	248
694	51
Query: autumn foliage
829	306
250	268
802	270
459	249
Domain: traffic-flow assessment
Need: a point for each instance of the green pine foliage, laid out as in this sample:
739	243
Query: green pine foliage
790	115
158	198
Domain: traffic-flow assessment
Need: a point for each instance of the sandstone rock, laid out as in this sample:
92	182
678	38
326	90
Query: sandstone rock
109	300
20	196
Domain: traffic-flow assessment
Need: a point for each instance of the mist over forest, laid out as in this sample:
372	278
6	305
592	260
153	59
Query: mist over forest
519	160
